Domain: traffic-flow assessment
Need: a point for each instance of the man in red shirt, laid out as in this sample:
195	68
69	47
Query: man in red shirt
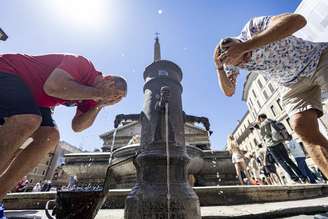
30	86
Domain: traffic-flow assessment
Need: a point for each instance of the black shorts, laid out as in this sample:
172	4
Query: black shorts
16	99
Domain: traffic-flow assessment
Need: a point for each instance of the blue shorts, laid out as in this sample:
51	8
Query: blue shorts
16	99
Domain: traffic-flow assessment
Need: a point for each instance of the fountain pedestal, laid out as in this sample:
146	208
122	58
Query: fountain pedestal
154	196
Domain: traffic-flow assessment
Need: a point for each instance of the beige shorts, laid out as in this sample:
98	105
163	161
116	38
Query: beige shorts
306	93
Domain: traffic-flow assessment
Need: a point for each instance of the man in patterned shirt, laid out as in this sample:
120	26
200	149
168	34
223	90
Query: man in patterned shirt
266	46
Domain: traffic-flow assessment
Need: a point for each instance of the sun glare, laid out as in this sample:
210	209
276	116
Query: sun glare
81	13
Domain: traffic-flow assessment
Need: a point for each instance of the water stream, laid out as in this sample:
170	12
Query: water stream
214	165
112	147
167	160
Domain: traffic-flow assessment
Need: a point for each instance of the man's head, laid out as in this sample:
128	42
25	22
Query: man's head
261	117
114	88
120	84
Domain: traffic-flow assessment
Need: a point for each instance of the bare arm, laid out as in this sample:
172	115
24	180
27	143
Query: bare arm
280	26
227	83
61	84
82	121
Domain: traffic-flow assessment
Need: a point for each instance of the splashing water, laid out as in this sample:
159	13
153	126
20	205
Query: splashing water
167	161
214	164
112	147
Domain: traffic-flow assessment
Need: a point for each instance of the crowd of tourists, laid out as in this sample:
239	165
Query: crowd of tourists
279	160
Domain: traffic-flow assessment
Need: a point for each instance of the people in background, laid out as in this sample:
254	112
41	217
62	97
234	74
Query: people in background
238	159
254	167
277	149
22	185
46	186
268	169
37	187
297	152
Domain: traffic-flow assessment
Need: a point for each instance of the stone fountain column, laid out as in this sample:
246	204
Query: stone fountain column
148	198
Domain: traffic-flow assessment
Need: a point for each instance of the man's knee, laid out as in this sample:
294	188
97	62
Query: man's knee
25	122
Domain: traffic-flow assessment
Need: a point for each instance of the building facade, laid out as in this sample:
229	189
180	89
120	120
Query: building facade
194	135
315	12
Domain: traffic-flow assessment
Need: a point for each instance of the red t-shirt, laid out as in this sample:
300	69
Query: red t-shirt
35	70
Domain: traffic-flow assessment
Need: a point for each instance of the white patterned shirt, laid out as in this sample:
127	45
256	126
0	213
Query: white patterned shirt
283	61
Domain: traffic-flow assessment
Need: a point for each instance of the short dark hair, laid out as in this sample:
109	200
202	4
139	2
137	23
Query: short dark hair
262	116
120	83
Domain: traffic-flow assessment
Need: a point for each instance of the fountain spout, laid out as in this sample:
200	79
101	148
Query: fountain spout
203	120
122	117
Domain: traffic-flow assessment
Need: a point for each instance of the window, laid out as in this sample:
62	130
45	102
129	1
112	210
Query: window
35	170
255	142
288	122
271	87
249	107
254	115
258	103
250	101
265	95
272	110
324	22
254	93
43	172
279	103
31	180
259	83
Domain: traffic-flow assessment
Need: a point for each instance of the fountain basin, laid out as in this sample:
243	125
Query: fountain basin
90	168
208	196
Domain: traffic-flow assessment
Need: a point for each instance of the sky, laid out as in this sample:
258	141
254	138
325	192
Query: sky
118	37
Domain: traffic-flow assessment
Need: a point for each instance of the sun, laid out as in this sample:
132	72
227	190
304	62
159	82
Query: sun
81	13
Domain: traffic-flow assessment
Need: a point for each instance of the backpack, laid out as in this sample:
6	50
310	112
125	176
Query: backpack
279	132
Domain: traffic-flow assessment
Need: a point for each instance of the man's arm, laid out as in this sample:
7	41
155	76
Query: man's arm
279	27
61	84
82	121
227	83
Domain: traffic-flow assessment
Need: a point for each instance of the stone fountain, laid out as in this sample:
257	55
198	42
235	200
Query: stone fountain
161	190
210	168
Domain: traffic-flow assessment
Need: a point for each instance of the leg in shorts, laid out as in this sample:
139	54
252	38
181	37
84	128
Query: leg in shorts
306	93
17	99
